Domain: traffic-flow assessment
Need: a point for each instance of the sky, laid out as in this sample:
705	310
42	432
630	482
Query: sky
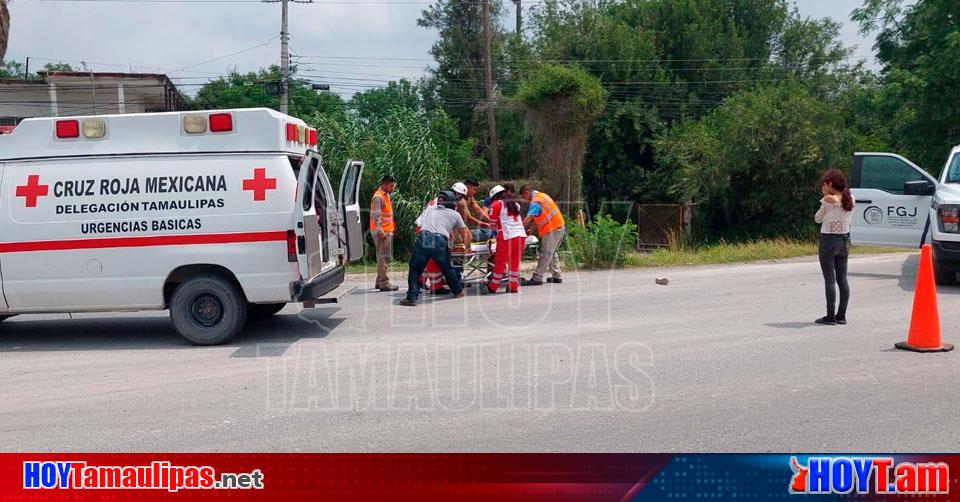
353	45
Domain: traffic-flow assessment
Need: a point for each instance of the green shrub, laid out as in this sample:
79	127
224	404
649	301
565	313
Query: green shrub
601	243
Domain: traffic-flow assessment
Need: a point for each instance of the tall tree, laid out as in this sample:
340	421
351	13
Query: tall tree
458	78
918	45
374	103
261	88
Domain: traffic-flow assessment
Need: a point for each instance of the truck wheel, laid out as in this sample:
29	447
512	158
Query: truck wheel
944	276
208	309
263	310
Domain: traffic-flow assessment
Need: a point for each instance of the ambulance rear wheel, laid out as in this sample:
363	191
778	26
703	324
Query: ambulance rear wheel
208	309
262	310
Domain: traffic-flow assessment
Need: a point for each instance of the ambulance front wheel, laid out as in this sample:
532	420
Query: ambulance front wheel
208	309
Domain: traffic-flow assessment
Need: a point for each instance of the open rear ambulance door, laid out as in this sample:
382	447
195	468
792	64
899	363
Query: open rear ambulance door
350	209
307	225
3	203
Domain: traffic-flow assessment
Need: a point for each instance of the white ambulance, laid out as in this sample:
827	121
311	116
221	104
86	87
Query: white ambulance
216	215
901	205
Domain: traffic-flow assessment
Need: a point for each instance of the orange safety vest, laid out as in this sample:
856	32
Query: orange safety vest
386	213
549	218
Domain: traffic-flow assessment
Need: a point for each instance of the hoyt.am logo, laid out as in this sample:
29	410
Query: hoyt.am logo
861	475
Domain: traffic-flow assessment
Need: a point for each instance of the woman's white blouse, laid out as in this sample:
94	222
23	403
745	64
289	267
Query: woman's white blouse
833	219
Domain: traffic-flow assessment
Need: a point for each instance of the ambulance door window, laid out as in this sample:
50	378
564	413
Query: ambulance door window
884	215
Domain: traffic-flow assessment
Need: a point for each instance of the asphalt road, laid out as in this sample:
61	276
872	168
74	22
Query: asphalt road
722	359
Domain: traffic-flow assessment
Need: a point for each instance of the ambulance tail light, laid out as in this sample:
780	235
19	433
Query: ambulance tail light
67	129
312	139
292	132
221	122
291	246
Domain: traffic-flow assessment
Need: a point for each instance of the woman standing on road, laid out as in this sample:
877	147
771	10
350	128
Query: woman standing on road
511	237
836	209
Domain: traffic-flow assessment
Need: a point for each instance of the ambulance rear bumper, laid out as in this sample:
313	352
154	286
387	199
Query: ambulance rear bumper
320	285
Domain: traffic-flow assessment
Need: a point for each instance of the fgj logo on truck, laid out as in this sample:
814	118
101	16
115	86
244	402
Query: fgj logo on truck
876	475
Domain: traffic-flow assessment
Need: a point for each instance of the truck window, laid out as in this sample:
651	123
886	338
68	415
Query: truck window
887	174
953	174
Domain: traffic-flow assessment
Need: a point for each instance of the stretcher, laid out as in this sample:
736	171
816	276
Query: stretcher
476	265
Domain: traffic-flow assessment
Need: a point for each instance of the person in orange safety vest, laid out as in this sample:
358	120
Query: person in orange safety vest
545	218
382	228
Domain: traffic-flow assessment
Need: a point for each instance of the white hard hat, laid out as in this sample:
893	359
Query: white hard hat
460	188
495	190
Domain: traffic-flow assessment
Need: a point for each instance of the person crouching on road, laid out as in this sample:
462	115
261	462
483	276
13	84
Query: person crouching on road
432	278
437	224
544	216
511	238
836	210
382	228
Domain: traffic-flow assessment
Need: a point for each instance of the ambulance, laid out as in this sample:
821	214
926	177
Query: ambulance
901	205
217	216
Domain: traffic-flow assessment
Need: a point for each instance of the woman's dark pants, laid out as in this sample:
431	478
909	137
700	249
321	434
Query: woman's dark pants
834	252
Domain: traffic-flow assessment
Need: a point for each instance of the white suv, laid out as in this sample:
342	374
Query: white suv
901	205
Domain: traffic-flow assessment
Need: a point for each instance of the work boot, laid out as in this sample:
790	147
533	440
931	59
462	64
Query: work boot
841	319
406	302
459	295
388	287
530	282
554	280
827	320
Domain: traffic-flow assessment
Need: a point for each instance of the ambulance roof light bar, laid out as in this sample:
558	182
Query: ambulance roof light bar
251	130
68	129
197	123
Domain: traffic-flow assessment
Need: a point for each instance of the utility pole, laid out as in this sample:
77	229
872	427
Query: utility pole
519	30
284	59
285	52
488	84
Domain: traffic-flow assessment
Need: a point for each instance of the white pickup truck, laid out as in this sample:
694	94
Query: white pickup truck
901	205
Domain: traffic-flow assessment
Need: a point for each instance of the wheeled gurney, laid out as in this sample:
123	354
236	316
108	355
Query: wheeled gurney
476	265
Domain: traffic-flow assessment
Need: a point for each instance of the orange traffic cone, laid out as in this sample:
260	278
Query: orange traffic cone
925	325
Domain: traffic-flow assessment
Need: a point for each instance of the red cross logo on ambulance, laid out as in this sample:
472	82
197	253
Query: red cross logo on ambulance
259	184
32	190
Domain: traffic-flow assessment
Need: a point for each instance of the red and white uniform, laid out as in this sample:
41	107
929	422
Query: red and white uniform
511	238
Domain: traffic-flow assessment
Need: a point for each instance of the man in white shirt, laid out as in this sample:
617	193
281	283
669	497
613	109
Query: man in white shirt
437	224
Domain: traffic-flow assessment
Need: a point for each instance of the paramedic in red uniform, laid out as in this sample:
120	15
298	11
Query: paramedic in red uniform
511	237
382	228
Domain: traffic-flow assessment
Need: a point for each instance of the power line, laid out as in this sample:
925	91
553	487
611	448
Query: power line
248	49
